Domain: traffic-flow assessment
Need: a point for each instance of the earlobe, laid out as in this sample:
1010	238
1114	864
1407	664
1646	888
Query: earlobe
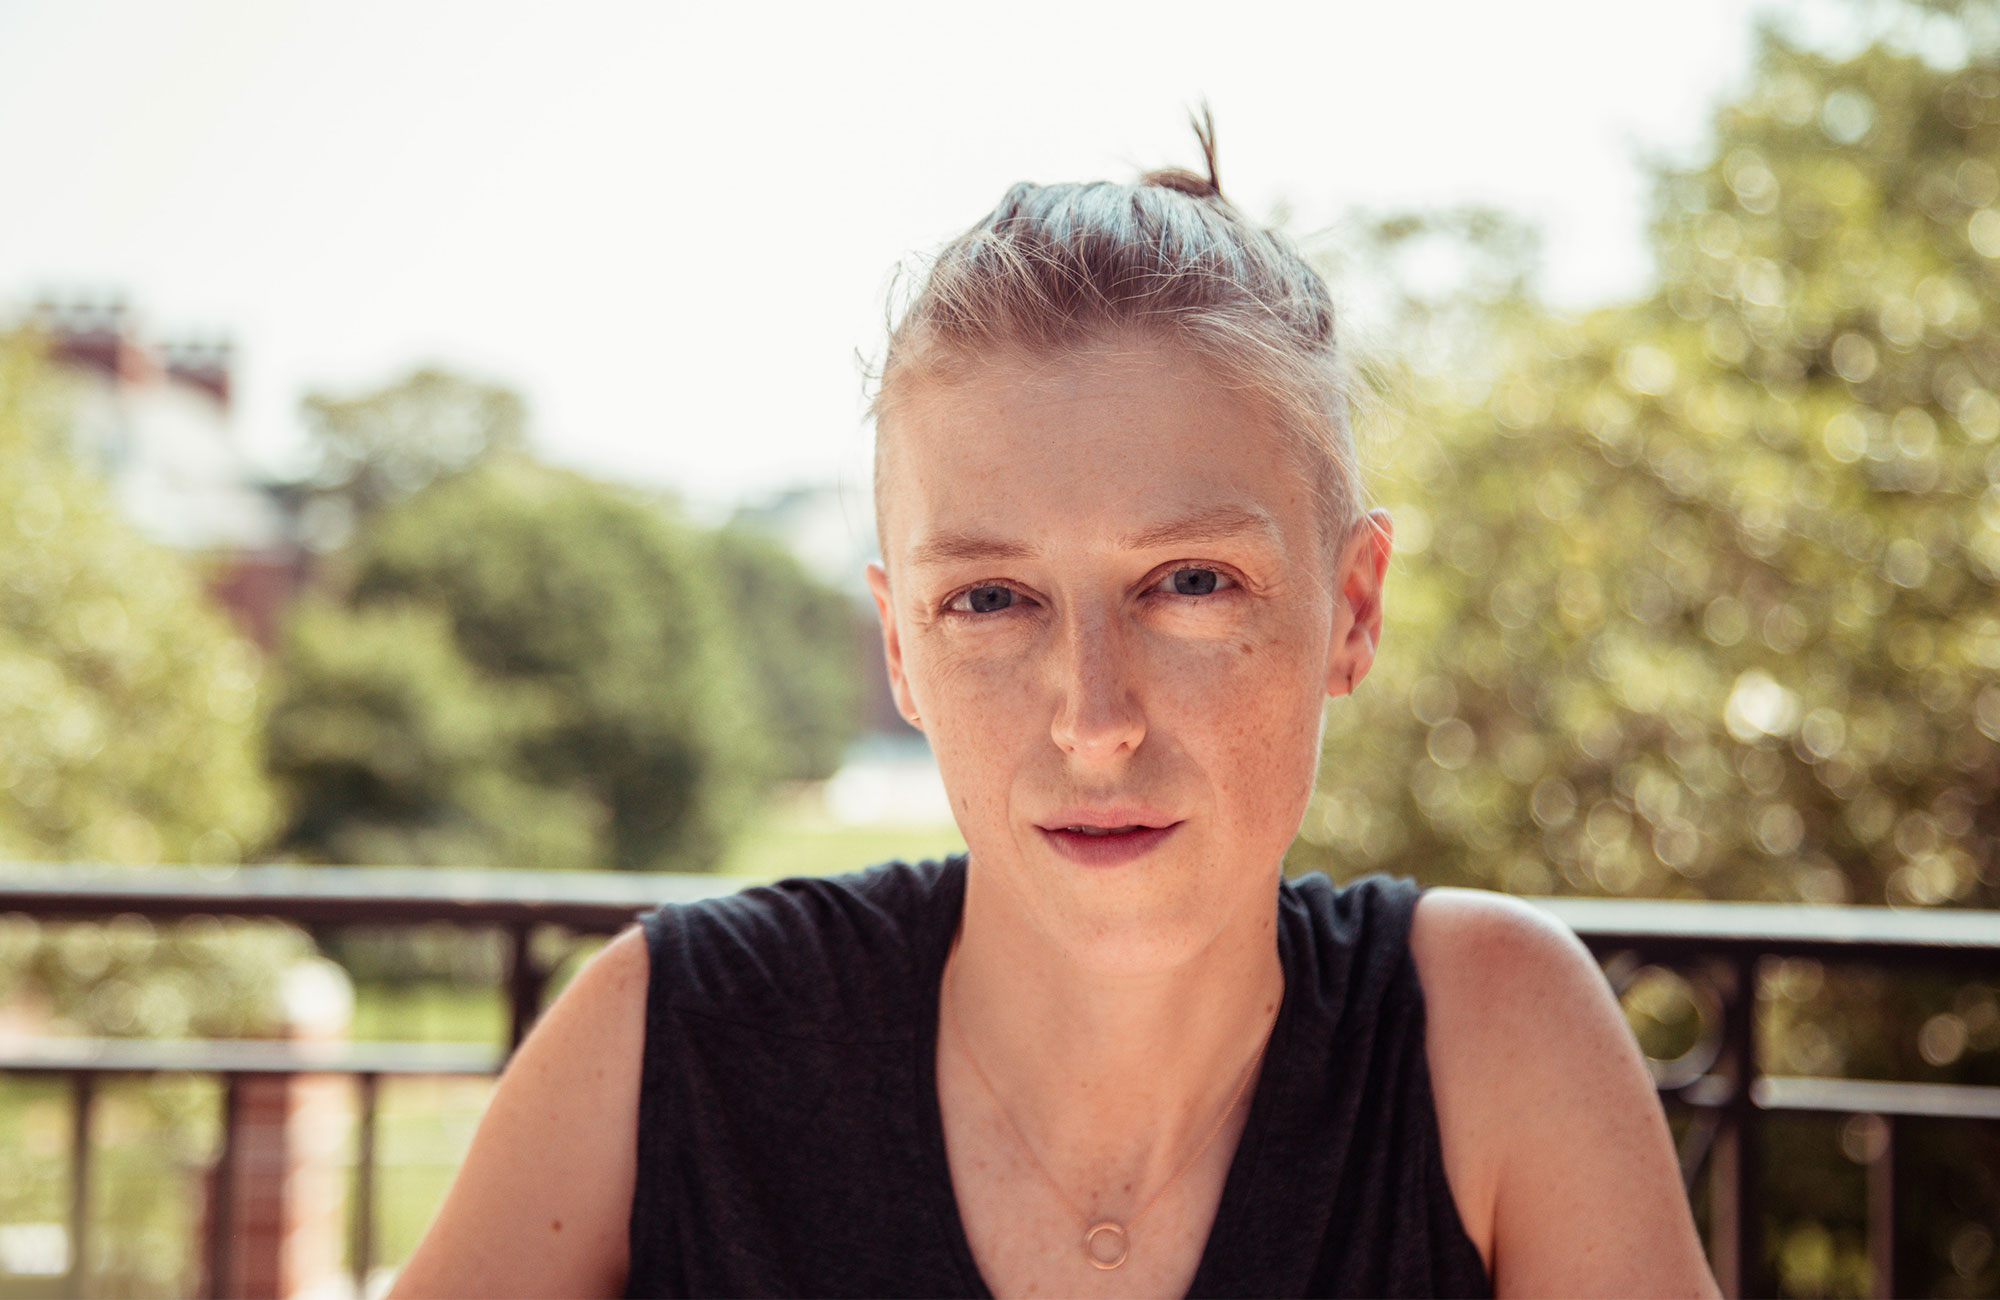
1358	603
892	644
1340	664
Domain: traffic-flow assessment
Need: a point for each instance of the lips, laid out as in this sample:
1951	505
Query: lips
1111	818
1108	837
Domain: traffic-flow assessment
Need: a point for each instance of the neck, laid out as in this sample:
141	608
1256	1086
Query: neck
1113	1080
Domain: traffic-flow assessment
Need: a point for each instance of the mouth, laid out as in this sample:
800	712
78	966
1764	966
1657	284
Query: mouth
1107	846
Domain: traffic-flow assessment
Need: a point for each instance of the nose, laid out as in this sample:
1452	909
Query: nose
1097	711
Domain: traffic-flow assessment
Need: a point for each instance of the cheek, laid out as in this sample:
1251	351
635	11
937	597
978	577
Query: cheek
979	714
982	685
1261	715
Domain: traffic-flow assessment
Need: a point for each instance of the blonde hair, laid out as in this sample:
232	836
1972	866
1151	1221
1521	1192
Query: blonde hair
1056	268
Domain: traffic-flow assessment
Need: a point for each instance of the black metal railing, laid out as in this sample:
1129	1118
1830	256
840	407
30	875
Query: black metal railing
1719	947
516	904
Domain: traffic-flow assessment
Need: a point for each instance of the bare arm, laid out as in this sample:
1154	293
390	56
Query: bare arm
1535	1061
542	1203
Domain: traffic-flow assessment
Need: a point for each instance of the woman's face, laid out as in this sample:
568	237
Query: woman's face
1111	606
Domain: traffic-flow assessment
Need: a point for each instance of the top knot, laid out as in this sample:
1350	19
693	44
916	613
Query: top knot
1180	178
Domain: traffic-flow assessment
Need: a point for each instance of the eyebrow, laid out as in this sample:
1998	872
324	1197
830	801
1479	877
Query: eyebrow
1214	524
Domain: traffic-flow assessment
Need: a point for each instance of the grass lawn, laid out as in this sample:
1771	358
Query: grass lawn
423	1130
790	845
430	1012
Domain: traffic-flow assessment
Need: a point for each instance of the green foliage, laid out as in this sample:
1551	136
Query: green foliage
378	448
384	731
803	642
129	732
1699	597
128	708
523	668
204	977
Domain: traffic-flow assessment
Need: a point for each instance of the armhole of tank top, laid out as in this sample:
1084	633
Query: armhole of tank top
1435	1174
649	1224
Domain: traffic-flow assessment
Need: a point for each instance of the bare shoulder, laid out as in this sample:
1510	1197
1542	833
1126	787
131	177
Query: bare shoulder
1486	953
1559	1152
541	1204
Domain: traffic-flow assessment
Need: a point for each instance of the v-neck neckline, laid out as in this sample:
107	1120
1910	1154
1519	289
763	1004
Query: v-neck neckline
1244	1165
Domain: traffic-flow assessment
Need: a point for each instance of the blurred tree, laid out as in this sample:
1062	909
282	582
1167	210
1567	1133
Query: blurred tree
802	640
377	448
1423	294
1699	595
524	668
129	710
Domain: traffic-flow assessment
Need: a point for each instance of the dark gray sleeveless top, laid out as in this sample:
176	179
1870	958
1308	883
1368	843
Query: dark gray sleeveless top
790	1142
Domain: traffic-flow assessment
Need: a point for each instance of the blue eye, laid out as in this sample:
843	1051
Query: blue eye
983	600
1197	582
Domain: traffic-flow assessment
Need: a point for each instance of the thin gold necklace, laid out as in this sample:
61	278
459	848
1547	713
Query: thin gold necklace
1106	1244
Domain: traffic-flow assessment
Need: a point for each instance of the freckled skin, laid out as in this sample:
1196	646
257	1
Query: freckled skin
1100	682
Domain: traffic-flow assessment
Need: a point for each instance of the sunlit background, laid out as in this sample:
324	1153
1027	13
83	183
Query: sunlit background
430	435
671	227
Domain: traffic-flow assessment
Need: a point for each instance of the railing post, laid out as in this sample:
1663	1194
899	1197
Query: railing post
525	980
1882	1214
221	1194
82	1087
1749	1130
1737	1168
363	1248
1697	1147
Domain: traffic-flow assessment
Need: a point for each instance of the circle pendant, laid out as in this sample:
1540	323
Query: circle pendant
1104	1245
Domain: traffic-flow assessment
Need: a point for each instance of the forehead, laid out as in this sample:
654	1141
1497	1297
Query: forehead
1099	447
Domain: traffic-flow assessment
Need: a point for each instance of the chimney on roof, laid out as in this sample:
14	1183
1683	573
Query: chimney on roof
101	334
94	334
202	363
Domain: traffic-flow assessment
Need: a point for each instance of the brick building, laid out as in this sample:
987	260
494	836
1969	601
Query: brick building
155	418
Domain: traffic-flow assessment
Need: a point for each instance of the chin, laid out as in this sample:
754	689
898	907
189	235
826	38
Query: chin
1137	919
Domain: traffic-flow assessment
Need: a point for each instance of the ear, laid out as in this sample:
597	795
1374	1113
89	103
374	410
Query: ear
1357	614
892	644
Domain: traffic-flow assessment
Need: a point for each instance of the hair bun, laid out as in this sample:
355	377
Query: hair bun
1187	182
1180	178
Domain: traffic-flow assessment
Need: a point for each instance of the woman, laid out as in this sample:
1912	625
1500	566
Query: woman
1109	1051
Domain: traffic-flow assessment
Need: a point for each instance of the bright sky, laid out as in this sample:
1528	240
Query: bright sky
672	225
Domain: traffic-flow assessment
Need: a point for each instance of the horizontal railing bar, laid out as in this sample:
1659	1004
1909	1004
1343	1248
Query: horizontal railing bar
1973	961
593	899
285	1056
1877	1097
233	1056
1779	929
584	900
1886	1097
